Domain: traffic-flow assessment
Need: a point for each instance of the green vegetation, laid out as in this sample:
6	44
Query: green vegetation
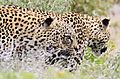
91	7
20	75
104	67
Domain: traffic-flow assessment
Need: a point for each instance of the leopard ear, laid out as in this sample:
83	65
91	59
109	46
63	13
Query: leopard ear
105	22
47	22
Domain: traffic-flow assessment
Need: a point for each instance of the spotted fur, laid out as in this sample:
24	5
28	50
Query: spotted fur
63	37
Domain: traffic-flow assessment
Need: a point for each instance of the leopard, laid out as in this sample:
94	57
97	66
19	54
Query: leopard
61	39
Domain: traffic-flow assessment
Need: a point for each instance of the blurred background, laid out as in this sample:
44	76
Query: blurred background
106	66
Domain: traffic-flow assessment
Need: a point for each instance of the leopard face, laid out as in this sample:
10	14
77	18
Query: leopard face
86	31
99	44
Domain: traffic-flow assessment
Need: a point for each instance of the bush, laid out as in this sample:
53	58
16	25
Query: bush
91	7
59	6
104	67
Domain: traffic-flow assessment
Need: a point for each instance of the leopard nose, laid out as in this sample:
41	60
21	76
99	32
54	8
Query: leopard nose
103	50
